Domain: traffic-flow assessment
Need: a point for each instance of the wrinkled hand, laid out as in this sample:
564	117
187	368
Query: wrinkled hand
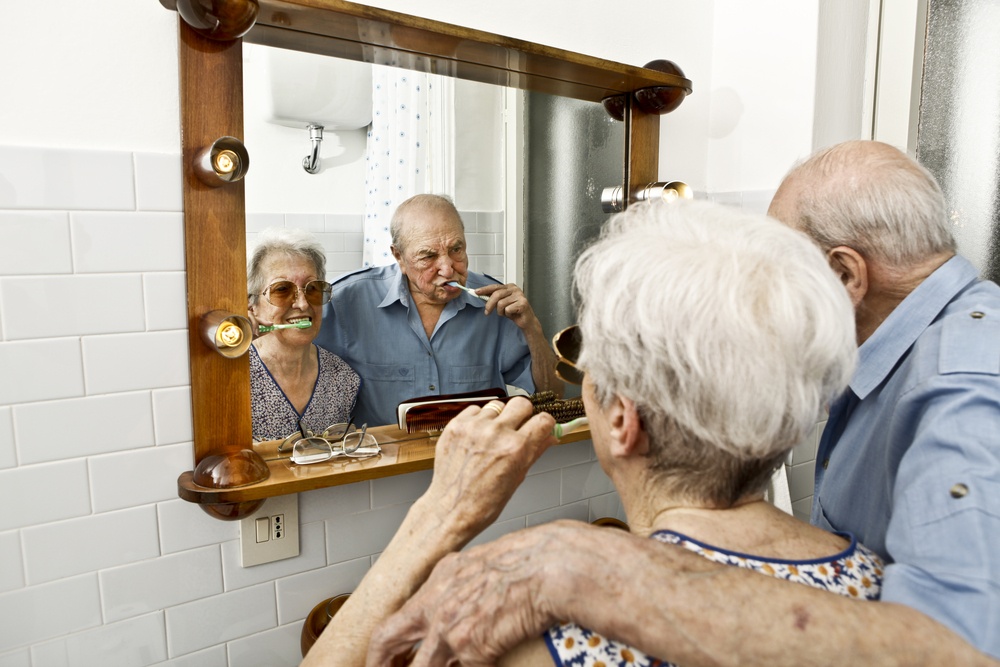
256	324
479	604
510	302
479	461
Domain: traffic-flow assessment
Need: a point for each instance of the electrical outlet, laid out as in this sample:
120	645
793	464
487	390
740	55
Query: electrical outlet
272	532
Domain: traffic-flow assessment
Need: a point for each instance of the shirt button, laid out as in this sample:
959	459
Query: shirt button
432	388
959	491
826	463
977	315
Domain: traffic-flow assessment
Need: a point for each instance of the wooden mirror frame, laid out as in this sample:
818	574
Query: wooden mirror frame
230	480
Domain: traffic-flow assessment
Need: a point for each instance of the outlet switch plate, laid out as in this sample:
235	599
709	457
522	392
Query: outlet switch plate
272	532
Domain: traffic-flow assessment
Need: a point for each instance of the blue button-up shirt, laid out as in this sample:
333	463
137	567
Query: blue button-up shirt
910	457
372	324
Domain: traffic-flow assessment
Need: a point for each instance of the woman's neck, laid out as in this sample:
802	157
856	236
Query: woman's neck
751	526
284	359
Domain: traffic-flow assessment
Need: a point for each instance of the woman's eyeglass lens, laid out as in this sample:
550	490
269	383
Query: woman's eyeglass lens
567	344
284	292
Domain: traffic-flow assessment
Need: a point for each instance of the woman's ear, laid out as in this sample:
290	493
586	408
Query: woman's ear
626	428
852	269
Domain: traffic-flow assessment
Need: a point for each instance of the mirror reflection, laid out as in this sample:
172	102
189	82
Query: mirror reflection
502	155
388	133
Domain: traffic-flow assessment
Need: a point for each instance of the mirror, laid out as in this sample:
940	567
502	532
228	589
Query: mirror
229	480
285	92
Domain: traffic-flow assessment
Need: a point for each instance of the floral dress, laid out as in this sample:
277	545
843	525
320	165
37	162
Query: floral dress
332	400
855	572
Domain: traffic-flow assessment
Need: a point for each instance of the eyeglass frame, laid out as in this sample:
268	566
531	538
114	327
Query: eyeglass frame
325	292
304	433
307	436
566	368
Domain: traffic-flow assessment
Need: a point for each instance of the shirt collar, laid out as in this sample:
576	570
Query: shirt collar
878	355
398	290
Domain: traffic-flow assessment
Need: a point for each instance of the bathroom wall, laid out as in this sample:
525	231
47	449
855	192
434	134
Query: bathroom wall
102	563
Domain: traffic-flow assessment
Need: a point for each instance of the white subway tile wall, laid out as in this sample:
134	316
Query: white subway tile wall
102	563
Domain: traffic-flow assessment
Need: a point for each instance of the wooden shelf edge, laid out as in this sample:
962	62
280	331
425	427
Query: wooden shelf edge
409	454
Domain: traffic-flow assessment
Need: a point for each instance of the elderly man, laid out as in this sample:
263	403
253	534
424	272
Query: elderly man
408	333
909	462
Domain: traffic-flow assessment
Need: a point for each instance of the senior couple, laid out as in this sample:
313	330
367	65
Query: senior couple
712	340
388	334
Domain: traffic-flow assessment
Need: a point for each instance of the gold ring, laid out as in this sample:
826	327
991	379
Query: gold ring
495	406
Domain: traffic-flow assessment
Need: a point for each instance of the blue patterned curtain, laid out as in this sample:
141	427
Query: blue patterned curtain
410	149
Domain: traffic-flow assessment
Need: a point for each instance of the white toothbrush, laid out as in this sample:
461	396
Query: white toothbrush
559	430
468	289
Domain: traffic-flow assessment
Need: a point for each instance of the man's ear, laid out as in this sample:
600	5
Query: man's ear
628	434
852	269
398	256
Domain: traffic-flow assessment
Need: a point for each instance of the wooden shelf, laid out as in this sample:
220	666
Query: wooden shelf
402	452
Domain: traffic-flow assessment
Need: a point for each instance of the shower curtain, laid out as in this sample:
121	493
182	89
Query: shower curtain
411	145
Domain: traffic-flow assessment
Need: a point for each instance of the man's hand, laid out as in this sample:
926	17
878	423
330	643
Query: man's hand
510	302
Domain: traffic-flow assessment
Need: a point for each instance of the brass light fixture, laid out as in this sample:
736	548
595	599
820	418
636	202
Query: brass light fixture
228	334
225	161
613	199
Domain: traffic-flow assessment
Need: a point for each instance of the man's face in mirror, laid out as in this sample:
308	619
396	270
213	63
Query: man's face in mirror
433	252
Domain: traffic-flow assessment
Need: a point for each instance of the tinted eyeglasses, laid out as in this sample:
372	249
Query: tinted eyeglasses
567	344
282	293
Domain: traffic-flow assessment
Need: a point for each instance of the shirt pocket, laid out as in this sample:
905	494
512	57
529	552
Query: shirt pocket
471	377
385	372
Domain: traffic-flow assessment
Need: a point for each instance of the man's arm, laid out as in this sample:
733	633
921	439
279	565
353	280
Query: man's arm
478	605
480	460
510	302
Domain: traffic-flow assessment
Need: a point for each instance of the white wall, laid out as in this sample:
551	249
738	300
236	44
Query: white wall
102	564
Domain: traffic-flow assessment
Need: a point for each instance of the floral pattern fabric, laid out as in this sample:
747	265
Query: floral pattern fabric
856	572
332	400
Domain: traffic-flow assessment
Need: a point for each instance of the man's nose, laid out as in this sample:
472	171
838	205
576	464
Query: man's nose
446	267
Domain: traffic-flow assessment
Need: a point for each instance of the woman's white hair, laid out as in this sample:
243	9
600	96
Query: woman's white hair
727	329
290	241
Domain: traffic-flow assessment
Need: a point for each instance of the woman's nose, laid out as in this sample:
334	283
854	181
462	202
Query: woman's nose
300	299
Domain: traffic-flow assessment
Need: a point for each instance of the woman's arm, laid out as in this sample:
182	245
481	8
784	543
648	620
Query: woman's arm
480	460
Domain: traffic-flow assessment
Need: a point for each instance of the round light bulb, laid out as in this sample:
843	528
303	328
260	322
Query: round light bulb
229	335
226	162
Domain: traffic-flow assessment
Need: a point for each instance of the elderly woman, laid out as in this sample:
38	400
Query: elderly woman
293	381
711	342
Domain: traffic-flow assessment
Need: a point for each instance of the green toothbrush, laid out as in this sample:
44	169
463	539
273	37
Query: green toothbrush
301	324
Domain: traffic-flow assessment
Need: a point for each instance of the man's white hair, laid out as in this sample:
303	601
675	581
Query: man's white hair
872	197
725	328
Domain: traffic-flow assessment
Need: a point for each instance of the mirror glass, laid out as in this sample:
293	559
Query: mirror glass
526	170
458	130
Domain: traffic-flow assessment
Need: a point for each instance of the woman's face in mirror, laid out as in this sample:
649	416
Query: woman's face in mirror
293	306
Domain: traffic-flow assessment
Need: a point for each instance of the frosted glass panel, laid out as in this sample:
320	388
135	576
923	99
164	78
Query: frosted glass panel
959	124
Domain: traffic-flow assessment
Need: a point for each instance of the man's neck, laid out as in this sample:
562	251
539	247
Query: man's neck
887	288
